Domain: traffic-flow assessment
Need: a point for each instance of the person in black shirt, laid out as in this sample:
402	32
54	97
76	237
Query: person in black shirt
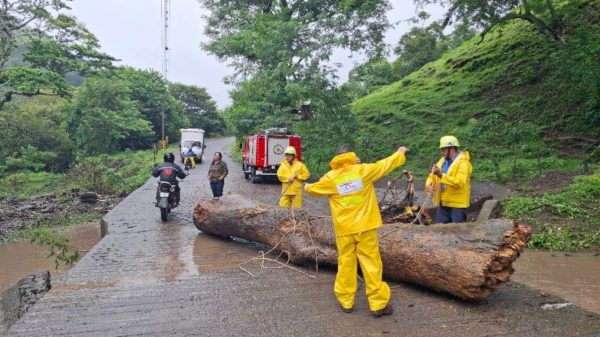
169	171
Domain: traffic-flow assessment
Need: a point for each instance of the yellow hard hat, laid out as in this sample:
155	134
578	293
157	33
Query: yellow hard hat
448	141
290	150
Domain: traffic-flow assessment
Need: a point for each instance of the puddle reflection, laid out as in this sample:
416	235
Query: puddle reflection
215	254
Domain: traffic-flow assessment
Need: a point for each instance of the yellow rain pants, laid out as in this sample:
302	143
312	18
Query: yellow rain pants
192	161
291	200
364	248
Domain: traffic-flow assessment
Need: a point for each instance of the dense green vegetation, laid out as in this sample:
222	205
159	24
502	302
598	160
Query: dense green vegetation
280	54
63	100
565	220
119	173
521	103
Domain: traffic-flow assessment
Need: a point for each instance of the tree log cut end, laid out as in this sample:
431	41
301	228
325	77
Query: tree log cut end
467	260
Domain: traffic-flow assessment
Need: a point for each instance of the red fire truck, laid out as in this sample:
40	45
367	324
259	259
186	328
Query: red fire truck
264	152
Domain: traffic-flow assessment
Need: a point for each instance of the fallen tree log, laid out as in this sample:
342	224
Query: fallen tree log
468	261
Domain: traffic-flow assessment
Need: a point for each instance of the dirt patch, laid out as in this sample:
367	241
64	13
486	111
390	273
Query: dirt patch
24	213
548	182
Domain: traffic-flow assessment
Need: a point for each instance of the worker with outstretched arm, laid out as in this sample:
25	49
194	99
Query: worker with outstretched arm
356	217
449	182
291	173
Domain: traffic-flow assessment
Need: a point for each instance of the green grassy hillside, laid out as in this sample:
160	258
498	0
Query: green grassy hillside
520	103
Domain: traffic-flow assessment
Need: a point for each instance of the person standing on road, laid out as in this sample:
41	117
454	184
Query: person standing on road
449	182
356	217
291	173
216	175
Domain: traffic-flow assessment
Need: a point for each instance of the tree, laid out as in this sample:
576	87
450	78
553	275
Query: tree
105	119
365	78
419	46
542	14
56	45
199	108
32	136
263	101
26	81
281	48
425	44
16	15
291	36
149	90
64	46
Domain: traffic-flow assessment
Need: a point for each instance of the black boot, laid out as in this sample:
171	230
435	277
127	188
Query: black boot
388	310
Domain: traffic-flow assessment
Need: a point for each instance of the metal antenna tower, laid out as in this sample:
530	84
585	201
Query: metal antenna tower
165	11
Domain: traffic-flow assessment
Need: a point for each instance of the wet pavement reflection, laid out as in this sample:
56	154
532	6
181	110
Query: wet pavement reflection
217	254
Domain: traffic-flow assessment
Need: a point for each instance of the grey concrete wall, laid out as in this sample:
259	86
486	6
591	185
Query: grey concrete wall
15	301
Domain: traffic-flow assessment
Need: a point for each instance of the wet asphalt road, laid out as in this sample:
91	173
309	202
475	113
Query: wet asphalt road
148	278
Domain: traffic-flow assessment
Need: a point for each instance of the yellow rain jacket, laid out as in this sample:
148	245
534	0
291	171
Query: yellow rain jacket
284	173
352	197
457	181
356	218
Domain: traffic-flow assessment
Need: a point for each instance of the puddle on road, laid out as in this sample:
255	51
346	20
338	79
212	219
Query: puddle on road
19	259
214	254
576	278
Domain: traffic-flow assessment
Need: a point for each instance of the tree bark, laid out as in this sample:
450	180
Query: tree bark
468	261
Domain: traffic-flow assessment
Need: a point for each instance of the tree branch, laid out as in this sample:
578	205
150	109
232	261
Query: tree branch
8	96
22	25
541	26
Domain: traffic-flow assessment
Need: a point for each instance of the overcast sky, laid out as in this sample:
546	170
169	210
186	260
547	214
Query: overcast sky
130	30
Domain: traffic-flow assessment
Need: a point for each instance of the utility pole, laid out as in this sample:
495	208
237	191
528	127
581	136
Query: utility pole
165	11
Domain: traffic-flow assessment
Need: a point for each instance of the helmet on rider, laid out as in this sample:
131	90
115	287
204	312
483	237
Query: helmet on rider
169	157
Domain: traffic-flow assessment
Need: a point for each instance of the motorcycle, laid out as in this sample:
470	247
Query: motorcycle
165	199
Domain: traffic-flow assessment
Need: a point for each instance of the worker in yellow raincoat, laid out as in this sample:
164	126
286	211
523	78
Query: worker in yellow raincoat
356	217
291	173
449	182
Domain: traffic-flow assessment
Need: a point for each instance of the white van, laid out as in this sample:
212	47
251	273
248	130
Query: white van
194	139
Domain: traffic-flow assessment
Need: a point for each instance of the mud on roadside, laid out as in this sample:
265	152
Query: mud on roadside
63	209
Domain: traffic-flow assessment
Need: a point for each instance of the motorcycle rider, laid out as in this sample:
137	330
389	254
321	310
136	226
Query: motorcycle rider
190	158
169	171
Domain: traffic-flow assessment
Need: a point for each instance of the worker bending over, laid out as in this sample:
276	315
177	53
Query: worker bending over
356	217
